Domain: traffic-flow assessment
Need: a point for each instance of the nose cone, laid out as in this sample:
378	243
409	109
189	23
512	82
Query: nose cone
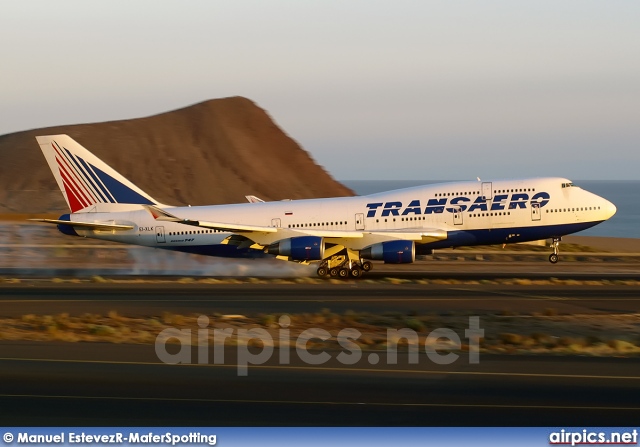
609	209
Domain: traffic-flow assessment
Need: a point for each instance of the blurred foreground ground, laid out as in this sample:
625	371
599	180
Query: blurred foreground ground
26	246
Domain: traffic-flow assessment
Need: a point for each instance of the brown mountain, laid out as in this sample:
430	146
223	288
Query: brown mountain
214	152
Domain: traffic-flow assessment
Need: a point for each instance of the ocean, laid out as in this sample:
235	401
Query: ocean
622	193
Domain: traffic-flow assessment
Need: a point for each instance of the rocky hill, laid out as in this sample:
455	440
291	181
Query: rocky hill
214	152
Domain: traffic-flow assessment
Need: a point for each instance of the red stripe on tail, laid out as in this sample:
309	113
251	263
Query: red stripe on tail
65	176
70	187
74	204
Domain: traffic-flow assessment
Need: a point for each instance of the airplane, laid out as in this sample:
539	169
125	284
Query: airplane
341	234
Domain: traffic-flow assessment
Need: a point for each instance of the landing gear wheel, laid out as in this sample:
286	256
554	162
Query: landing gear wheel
334	272
322	271
553	257
343	273
356	272
366	266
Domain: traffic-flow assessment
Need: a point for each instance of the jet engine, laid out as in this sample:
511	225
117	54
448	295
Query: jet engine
391	252
303	248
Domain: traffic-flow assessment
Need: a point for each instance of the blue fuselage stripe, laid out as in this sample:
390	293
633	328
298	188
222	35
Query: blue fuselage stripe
455	239
510	235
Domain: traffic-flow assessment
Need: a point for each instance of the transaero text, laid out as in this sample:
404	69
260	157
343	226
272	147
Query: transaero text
462	203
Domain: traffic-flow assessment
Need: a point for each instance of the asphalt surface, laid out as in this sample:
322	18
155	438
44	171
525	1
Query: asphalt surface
153	299
109	384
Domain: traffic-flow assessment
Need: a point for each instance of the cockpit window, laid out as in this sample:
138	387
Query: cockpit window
567	185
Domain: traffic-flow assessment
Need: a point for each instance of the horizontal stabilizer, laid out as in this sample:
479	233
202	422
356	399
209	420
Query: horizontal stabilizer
89	225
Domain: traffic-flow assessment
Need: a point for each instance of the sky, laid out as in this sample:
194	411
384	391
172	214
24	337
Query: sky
387	90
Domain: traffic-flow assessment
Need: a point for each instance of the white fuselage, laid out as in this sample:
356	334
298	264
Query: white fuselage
471	213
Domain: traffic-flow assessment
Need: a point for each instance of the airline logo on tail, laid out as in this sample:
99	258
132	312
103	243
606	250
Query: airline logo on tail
82	181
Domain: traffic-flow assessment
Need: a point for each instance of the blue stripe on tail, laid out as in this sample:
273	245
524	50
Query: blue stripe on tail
122	193
104	195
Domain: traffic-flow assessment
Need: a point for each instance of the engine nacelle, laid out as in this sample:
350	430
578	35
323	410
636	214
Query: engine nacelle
392	252
303	248
66	229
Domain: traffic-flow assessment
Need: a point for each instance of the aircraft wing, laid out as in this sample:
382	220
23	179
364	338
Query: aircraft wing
89	225
423	234
418	235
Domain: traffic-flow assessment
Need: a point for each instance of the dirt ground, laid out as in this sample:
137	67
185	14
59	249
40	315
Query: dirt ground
610	244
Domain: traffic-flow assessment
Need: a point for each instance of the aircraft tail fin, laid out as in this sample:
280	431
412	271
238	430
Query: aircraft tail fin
84	179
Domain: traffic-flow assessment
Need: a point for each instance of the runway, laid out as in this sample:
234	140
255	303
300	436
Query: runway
126	385
48	383
153	299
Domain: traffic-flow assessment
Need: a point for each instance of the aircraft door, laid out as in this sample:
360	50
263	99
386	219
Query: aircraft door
535	211
457	215
160	235
275	223
487	191
359	221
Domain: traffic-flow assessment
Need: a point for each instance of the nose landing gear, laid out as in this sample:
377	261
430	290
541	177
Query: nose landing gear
553	257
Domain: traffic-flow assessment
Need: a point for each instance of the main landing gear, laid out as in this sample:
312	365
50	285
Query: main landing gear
553	257
342	267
